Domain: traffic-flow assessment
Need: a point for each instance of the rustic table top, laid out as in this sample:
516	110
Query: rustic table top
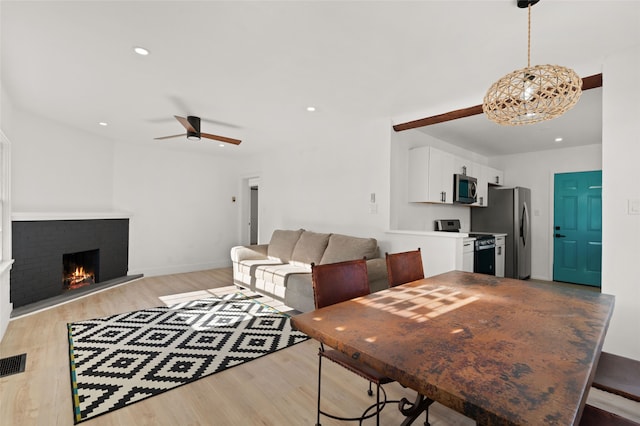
498	350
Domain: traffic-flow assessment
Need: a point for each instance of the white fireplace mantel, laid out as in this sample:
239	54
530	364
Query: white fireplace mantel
31	216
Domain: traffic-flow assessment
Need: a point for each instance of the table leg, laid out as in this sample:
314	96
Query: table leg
411	410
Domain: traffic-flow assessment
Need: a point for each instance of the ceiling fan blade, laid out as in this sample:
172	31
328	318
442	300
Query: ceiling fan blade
186	124
220	138
220	123
168	137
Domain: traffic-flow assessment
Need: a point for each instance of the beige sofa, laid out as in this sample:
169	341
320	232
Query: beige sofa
282	268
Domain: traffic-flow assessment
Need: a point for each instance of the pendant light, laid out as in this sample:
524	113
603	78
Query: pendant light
532	94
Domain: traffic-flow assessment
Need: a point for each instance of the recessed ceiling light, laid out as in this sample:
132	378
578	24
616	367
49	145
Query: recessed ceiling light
558	139
221	145
102	123
311	108
141	51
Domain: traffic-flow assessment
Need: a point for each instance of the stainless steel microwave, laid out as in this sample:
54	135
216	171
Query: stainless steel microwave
464	189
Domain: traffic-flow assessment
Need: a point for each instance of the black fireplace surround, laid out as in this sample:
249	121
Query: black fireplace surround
39	246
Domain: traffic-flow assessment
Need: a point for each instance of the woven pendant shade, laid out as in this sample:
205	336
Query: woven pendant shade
532	94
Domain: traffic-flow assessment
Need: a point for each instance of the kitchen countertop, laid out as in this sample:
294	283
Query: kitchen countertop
442	234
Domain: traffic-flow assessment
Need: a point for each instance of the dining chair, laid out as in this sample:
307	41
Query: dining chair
404	267
334	283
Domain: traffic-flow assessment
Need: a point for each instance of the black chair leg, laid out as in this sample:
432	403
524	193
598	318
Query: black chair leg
370	392
319	380
377	403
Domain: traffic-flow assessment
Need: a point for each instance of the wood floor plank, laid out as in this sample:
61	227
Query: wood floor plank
278	389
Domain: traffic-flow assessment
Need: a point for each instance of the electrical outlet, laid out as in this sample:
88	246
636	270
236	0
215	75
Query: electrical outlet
634	206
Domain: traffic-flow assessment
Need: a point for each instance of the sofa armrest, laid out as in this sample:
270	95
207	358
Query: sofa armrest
253	252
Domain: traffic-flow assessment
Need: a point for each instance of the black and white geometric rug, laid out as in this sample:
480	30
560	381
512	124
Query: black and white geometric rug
125	358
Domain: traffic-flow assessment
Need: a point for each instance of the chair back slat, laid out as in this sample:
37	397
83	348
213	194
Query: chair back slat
337	282
404	267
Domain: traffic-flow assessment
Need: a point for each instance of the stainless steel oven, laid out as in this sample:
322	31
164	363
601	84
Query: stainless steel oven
484	246
484	254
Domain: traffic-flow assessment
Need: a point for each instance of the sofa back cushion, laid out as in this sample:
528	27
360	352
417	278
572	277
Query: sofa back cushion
282	244
344	247
309	248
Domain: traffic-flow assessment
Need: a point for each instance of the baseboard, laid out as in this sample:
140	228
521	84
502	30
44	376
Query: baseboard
180	269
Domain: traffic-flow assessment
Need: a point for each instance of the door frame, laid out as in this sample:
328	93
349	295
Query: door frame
245	207
549	232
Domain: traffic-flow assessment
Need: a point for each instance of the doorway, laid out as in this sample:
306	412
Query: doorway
253	218
577	232
250	220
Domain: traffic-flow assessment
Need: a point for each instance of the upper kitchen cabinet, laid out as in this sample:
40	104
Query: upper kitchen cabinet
430	175
486	176
494	176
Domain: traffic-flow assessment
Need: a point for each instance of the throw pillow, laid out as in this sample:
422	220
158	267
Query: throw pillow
344	247
309	248
282	244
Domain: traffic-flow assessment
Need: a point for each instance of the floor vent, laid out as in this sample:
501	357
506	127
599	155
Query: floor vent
12	365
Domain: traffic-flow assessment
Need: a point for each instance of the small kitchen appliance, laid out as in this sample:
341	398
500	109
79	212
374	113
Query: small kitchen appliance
464	189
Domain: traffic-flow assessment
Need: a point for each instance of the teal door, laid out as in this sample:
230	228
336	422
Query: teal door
577	233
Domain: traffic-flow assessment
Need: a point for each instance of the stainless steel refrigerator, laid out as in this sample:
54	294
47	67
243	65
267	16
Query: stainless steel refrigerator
508	212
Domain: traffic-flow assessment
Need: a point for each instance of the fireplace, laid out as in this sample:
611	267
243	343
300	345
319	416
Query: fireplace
80	269
66	258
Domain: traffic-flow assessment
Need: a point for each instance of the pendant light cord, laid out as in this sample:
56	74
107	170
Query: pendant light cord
529	38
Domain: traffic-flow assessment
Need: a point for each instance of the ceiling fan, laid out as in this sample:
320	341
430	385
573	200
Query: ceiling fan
192	124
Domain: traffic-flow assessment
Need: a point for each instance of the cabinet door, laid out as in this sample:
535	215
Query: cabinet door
430	175
500	257
495	176
467	257
483	186
440	177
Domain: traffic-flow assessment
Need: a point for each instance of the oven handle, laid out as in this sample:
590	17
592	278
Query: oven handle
487	247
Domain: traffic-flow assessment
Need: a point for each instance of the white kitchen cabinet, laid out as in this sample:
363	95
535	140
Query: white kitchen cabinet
487	176
467	256
430	175
494	176
483	186
499	263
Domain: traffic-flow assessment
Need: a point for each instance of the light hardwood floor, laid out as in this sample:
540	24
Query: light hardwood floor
279	389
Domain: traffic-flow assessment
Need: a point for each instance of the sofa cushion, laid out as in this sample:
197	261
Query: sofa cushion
309	248
282	244
344	247
278	274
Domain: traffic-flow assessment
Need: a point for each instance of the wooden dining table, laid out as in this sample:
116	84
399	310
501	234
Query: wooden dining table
498	350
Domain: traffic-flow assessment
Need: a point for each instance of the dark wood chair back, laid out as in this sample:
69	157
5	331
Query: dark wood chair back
404	267
337	282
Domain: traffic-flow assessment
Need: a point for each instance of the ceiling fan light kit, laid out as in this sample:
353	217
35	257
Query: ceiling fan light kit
532	94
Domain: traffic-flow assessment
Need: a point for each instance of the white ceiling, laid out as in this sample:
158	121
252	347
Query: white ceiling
253	67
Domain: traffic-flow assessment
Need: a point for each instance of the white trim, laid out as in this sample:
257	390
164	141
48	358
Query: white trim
6	265
179	269
29	216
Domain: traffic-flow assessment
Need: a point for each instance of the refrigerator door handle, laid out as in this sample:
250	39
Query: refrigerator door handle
524	224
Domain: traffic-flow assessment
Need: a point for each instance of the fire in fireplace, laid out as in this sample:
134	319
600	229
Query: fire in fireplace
80	269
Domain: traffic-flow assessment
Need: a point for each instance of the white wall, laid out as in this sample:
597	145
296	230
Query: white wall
621	231
59	169
6	112
324	184
183	218
535	171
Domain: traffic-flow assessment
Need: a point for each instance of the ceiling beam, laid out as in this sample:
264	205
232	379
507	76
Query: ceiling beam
591	82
